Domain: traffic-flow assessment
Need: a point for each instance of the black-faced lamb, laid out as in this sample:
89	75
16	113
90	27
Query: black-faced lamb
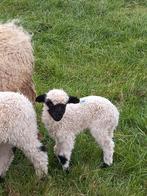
66	116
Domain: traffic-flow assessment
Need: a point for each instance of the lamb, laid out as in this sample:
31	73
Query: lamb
16	60
66	116
18	128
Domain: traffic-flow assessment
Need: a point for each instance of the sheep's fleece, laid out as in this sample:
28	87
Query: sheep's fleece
64	118
18	128
16	60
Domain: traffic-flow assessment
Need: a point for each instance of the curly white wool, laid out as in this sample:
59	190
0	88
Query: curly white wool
95	113
18	128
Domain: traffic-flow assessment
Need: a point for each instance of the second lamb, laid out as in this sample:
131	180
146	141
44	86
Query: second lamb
66	116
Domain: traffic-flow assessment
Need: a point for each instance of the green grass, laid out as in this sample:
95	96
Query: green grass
88	47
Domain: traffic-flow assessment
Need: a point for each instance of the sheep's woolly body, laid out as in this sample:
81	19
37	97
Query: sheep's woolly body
16	60
95	113
18	127
89	111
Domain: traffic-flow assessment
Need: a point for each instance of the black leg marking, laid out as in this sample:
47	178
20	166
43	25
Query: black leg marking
14	149
43	148
62	159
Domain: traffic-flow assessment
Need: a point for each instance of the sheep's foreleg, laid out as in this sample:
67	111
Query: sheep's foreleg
63	150
33	149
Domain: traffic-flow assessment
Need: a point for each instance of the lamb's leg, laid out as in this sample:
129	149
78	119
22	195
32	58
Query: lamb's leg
106	143
33	149
63	150
6	157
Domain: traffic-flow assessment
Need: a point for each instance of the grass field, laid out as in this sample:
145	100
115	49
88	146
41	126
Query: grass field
88	47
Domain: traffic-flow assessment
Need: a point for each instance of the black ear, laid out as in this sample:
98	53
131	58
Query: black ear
73	99
41	98
57	111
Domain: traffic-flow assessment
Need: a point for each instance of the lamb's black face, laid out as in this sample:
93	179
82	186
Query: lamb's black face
56	111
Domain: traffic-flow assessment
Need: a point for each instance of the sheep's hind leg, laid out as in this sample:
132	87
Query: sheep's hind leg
6	157
34	150
106	143
63	150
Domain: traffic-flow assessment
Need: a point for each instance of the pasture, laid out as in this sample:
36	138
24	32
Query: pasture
86	47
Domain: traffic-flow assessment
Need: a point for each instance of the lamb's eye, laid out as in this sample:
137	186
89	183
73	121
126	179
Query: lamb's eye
49	103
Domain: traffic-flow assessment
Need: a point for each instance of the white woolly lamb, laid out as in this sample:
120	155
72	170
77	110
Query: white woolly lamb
64	120
18	128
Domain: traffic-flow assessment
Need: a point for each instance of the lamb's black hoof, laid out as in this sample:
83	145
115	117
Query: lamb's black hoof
104	165
66	171
2	180
43	179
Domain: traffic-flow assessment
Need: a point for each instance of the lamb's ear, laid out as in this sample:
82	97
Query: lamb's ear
73	99
57	111
41	98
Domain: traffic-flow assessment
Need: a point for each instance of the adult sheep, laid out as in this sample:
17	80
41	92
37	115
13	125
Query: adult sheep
18	128
16	60
16	69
